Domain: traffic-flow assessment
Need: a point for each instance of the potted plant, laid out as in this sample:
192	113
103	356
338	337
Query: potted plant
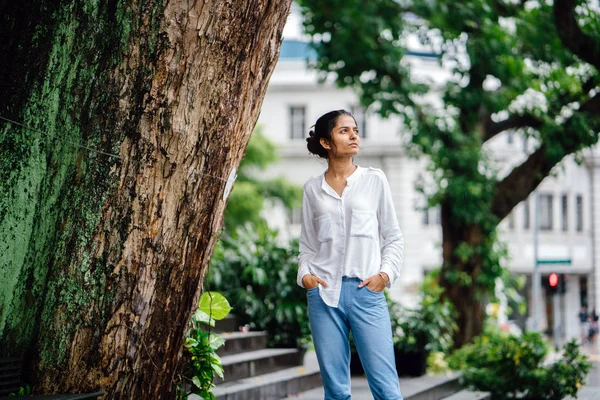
419	331
411	345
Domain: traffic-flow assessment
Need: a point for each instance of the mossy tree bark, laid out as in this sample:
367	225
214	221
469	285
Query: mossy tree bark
112	195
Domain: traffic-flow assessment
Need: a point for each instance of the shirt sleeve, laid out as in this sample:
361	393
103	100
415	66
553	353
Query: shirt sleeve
392	248
308	239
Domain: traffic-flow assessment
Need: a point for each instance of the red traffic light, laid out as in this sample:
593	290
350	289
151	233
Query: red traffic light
553	279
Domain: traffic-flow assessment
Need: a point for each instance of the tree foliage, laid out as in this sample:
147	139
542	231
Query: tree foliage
248	196
523	66
257	274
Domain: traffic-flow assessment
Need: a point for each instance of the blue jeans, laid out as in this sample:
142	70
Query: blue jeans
365	313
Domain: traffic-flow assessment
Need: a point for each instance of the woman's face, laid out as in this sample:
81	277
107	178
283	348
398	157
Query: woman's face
344	136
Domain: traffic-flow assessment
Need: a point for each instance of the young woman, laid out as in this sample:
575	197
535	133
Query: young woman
351	248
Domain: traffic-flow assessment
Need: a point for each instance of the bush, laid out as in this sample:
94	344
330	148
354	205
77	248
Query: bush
258	276
512	367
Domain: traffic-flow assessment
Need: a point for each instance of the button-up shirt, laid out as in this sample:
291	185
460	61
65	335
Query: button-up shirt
355	234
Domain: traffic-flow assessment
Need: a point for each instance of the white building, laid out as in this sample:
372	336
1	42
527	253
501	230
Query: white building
568	199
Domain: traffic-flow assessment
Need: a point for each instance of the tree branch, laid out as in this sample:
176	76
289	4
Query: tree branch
571	34
514	122
523	179
508	10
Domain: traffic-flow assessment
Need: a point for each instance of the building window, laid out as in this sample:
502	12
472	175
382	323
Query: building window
432	216
360	115
525	143
297	124
511	221
546	212
564	213
509	137
579	213
526	214
426	217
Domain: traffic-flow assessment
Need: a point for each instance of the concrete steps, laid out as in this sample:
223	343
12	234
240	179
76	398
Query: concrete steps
468	395
430	387
272	386
254	372
238	342
252	363
425	387
227	324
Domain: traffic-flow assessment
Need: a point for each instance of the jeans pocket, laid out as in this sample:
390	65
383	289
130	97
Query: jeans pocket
372	291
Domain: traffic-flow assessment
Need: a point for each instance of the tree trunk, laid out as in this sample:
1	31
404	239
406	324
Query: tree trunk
112	195
458	276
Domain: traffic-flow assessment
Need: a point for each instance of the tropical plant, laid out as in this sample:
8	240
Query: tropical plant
202	361
513	367
257	274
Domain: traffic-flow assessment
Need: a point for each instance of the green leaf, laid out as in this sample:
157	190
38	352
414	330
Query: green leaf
214	304
196	381
216	341
202	316
218	369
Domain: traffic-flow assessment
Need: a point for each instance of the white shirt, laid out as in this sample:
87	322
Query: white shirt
355	235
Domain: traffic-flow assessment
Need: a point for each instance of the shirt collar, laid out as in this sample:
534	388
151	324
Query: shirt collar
349	180
354	176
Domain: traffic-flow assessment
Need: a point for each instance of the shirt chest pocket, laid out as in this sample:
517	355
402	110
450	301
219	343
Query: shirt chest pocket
324	229
363	224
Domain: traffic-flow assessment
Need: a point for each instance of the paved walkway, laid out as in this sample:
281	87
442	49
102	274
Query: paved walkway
360	387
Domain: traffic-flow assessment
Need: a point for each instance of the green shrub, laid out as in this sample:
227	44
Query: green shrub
23	391
202	361
258	276
429	327
512	367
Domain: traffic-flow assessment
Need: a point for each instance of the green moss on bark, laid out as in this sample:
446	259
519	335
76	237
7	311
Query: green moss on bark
52	187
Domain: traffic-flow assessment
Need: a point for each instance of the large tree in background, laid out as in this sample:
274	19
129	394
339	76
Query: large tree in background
112	194
523	66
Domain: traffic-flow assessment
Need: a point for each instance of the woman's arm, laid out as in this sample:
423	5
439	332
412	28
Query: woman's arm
308	239
392	248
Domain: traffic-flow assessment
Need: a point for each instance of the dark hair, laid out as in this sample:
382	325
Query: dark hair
322	130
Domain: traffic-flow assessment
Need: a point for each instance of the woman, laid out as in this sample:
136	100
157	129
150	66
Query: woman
343	264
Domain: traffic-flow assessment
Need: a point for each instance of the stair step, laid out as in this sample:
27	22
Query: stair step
469	395
237	342
227	324
270	386
430	387
414	388
253	363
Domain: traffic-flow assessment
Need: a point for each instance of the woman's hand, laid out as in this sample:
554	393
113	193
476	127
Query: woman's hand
311	282
376	283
